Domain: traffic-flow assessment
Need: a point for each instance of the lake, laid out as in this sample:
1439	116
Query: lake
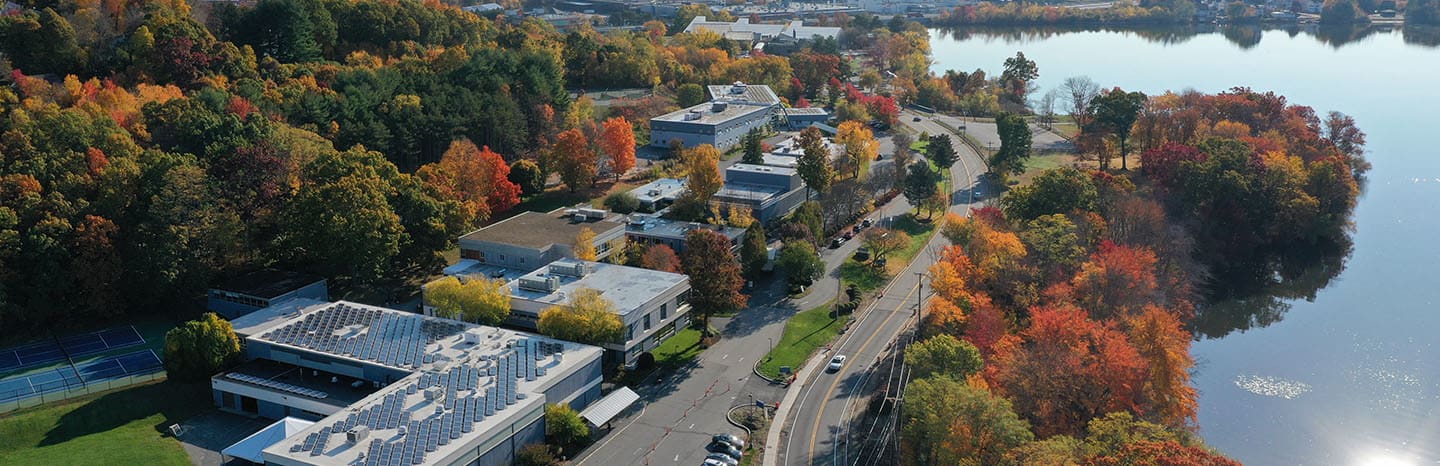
1346	371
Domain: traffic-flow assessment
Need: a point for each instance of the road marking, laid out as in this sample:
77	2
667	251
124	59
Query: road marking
677	457
741	360
692	425
725	356
820	413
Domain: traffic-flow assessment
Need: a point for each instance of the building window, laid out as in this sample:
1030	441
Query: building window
647	322
472	254
630	332
502	257
664	311
522	261
683	298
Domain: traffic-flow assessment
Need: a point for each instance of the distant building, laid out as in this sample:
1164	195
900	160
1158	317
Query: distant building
769	192
658	194
392	387
743	29
530	240
733	111
648	229
652	304
261	289
799	118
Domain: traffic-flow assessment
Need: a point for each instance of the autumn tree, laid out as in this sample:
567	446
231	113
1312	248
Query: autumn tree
617	142
1019	71
859	147
901	157
1066	369
585	245
200	348
1053	242
586	318
1160	338
949	422
346	227
715	278
1114	112
945	317
564	426
477	178
475	300
573	159
800	262
814	163
528	176
943	356
1116	281
754	250
1054	191
660	257
883	241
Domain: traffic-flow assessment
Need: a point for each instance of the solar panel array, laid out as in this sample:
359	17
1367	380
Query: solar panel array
472	390
281	386
390	338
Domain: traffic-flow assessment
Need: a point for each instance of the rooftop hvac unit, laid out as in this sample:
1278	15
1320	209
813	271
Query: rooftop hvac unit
718	106
542	284
357	435
573	269
572	212
692	115
593	213
471	338
737	88
434	394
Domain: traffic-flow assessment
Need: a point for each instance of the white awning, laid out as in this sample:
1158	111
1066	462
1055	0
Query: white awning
608	407
249	449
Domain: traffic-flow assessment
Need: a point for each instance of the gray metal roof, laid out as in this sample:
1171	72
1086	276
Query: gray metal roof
610	406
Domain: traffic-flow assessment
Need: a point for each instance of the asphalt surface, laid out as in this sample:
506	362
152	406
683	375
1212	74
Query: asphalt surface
829	400
679	411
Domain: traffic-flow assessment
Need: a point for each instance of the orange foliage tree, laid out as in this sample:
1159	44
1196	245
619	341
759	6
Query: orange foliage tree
1117	281
573	159
1158	336
478	178
617	142
1066	369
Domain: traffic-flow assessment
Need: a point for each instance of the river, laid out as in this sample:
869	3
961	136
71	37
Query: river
1327	371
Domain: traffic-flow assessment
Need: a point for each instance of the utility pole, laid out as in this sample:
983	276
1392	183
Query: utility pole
919	300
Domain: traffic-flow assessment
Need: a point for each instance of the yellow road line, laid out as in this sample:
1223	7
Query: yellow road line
815	431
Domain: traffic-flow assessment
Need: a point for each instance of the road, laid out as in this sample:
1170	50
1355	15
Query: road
675	417
828	401
989	137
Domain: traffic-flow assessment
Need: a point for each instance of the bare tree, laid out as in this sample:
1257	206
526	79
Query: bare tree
1047	108
1081	90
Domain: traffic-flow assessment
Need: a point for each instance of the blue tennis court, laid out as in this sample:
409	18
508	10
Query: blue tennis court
50	352
114	367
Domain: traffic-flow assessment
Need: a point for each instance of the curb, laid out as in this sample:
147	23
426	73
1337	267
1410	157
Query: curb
777	424
737	424
756	369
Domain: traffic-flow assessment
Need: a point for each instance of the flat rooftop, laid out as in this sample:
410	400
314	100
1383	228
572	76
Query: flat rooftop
661	189
748	192
264	319
338	393
268	283
487	379
805	111
787	161
655	226
754	94
752	168
708	116
540	229
628	287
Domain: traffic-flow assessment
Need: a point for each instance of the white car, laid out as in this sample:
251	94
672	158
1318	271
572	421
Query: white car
836	362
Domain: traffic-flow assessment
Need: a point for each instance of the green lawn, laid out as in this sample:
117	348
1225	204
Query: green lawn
804	333
119	427
868	278
679	349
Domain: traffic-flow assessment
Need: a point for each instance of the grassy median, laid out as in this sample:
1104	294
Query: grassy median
804	333
119	427
867	277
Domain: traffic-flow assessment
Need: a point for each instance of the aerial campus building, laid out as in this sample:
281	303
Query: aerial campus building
386	387
651	304
259	289
769	192
733	110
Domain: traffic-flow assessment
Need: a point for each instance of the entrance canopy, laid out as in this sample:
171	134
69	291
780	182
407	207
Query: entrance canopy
249	449
610	406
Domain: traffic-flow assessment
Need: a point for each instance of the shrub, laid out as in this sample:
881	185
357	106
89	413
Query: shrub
200	348
622	202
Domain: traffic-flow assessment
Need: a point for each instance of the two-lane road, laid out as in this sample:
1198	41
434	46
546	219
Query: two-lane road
829	400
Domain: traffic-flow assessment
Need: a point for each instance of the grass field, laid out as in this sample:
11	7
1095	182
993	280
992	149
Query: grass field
804	333
868	278
119	427
1040	162
679	349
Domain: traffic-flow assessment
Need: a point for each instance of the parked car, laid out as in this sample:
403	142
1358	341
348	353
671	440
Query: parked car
862	255
849	235
721	459
731	439
866	223
836	362
714	462
836	242
855	229
917	118
724	449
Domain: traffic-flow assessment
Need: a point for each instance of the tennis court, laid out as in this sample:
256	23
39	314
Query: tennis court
67	378
54	350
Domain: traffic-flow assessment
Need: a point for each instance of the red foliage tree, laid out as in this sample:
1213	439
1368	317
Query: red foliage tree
1118	280
1166	453
573	159
1066	369
617	142
660	257
1162	163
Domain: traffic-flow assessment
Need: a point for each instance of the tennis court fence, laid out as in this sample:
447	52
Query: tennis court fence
79	390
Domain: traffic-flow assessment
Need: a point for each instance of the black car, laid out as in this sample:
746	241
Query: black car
723	448
835	243
866	223
733	440
917	118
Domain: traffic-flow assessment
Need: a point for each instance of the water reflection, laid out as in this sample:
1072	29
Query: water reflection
1258	294
1245	36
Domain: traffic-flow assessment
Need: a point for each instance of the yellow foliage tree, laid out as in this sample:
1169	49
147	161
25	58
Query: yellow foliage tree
585	245
477	300
588	318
